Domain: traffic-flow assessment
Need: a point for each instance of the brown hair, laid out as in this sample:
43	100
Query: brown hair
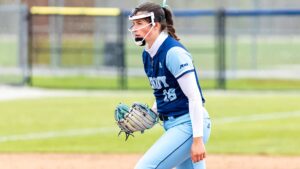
161	15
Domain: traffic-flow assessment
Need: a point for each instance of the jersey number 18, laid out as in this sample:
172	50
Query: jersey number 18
170	95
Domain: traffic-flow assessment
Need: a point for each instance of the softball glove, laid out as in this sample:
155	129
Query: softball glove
138	117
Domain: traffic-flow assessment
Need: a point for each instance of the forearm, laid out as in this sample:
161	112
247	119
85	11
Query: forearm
154	107
196	114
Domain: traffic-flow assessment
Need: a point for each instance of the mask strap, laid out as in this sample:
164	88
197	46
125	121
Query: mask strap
140	42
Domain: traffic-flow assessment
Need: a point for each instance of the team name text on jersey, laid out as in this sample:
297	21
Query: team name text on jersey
158	82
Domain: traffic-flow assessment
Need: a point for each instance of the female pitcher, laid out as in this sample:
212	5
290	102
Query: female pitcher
178	96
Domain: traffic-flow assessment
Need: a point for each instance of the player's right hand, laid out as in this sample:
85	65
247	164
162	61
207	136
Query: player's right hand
198	152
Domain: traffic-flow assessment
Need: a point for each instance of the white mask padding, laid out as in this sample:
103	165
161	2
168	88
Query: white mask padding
135	17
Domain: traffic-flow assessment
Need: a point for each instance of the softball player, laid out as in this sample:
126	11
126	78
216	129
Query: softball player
178	96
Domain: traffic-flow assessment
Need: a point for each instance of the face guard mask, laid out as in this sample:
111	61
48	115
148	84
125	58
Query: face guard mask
141	41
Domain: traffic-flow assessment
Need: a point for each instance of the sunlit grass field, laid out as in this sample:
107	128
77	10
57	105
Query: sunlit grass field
142	83
242	123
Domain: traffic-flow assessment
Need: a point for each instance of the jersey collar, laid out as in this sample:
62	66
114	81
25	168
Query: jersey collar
157	43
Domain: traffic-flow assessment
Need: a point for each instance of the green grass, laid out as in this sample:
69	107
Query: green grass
11	79
8	53
274	137
270	136
269	54
84	82
141	83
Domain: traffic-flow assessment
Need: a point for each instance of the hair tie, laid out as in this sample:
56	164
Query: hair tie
164	4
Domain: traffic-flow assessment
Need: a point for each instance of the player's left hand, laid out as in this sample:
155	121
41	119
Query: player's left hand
198	151
138	117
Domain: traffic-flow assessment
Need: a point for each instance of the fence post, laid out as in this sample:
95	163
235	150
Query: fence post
221	48
23	41
122	66
28	78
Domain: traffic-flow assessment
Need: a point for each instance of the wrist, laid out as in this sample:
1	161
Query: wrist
197	139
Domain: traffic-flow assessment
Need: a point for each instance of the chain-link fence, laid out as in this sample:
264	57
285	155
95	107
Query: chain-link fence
77	44
257	46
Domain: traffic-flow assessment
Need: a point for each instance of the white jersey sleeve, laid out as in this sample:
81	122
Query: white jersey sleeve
179	62
188	85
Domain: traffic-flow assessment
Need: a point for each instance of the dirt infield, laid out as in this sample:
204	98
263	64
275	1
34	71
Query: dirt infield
127	161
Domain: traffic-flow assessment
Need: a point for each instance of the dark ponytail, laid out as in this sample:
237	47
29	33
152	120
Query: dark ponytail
169	21
161	14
